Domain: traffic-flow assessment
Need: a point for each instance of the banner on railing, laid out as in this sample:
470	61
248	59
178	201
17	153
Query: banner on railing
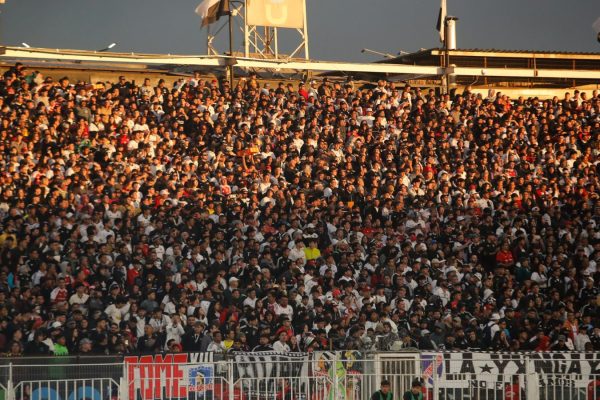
345	368
268	364
346	375
458	369
156	376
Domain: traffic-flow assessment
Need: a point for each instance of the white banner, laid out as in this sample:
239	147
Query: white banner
487	369
279	13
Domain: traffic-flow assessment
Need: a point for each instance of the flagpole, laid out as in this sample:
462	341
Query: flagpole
446	55
231	75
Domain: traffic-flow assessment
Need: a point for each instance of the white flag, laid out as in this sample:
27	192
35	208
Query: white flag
596	25
207	10
441	24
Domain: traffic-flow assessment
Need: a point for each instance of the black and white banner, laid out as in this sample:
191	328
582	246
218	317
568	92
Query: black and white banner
485	369
270	374
268	364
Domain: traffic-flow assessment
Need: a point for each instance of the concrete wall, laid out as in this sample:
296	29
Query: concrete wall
102	75
542	93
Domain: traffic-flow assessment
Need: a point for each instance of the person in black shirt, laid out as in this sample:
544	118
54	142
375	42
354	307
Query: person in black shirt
195	339
264	344
589	291
150	342
123	87
560	344
37	346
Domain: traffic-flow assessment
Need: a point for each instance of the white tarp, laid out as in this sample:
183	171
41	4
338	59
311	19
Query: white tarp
278	13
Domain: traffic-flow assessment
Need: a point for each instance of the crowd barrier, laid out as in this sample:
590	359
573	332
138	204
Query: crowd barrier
348	375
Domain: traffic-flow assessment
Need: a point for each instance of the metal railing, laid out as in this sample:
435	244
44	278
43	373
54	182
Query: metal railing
67	389
346	375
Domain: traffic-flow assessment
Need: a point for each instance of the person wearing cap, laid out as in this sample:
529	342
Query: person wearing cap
384	392
85	346
425	341
589	291
490	330
562	343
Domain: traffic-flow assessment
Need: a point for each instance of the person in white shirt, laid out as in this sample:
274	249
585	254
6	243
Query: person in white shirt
581	339
117	311
281	346
250	301
297	252
283	308
159	321
174	330
80	298
217	345
441	290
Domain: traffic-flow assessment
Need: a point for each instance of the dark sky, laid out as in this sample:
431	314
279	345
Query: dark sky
338	29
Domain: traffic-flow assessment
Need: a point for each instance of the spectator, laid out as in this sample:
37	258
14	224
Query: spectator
415	392
264	344
340	208
37	345
384	392
60	348
174	330
561	344
281	345
195	340
217	345
149	342
85	346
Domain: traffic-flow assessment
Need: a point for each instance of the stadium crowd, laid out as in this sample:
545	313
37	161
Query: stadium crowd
297	217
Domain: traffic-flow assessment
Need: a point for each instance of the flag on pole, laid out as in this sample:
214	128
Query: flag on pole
211	10
441	25
596	25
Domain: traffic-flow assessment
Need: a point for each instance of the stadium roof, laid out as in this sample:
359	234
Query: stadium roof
510	53
553	69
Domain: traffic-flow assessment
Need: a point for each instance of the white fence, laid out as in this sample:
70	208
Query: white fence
312	376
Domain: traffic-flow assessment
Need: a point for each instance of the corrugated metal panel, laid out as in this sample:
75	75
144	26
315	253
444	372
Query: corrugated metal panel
519	53
435	52
527	51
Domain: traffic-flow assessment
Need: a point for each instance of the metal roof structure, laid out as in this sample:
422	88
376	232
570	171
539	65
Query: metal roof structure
80	56
510	53
489	64
550	68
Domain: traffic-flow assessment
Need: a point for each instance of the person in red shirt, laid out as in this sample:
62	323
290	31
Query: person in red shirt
302	91
505	258
286	326
513	390
133	272
60	293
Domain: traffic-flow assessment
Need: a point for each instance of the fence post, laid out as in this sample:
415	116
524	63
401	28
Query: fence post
532	388
335	394
230	382
10	390
124	384
434	384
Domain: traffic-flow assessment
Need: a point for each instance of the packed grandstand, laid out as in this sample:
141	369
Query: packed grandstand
294	217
